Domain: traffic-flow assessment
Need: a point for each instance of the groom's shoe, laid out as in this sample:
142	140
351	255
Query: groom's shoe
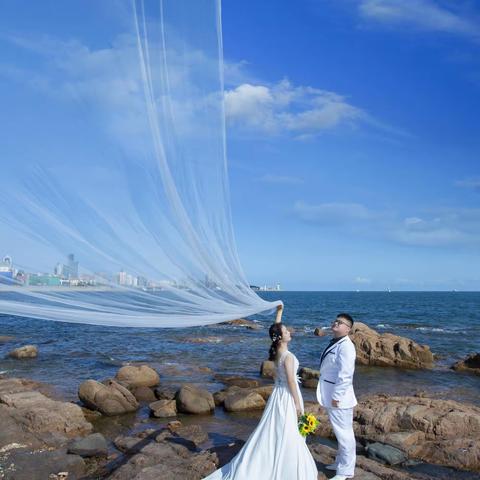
333	466
340	477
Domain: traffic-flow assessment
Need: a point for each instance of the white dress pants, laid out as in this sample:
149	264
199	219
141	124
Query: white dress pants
342	423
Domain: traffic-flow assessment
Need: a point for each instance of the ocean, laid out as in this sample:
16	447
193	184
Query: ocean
448	322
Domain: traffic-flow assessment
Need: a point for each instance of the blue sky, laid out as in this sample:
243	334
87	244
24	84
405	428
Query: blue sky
370	177
353	135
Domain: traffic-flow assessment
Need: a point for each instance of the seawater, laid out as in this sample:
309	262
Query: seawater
448	322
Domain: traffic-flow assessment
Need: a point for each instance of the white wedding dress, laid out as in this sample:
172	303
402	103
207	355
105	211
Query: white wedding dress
275	450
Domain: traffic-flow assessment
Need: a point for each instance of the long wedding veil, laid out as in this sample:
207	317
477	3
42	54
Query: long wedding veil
114	199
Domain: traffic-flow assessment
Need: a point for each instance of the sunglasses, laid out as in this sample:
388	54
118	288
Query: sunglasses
339	322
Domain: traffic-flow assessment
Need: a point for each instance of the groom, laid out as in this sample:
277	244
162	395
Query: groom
335	393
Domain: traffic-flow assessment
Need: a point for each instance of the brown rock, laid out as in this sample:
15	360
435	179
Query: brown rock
144	394
436	431
165	392
30	421
365	468
138	376
249	324
267	369
6	338
164	408
470	364
309	377
241	382
320	332
191	399
28	351
164	460
243	401
192	433
110	399
388	350
219	397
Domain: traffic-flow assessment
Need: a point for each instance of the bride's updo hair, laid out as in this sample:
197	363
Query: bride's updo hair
275	333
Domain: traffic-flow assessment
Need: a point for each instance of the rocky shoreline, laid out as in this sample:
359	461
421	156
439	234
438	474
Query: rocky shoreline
135	426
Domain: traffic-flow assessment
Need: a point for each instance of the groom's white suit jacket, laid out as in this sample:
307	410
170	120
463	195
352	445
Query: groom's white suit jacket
336	375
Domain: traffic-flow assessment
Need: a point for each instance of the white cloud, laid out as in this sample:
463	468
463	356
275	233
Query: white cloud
426	15
280	179
447	227
284	108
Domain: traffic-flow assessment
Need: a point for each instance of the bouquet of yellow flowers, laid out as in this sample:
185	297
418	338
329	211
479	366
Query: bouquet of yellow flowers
307	424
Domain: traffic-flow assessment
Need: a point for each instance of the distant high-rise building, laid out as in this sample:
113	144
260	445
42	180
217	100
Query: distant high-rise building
72	266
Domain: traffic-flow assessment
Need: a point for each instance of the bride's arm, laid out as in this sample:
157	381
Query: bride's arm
278	318
292	382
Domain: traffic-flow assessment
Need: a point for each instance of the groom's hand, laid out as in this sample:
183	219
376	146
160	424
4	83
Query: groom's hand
335	403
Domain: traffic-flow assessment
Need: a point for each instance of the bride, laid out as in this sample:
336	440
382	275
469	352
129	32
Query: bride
275	450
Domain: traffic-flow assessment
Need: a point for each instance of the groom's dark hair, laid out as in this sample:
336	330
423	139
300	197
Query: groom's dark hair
346	316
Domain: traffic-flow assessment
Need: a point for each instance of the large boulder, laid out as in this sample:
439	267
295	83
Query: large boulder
267	369
144	394
134	376
27	416
191	399
435	431
388	350
243	401
470	364
27	351
110	399
320	332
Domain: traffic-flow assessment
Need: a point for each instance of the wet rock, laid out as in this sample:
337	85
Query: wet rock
110	399
241	382
27	351
194	400
309	377
320	332
91	446
165	393
365	469
264	391
267	369
219	397
163	408
27	465
385	454
243	401
144	394
435	431
6	338
134	376
388	350
248	324
469	364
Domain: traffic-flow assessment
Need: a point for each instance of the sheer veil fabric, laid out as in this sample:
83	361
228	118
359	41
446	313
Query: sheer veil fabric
114	204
